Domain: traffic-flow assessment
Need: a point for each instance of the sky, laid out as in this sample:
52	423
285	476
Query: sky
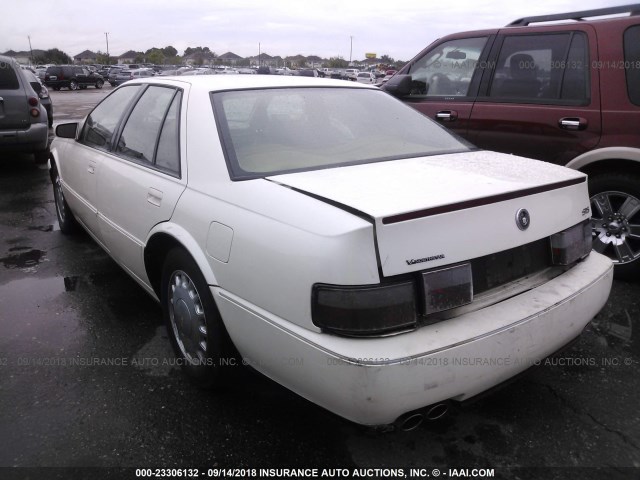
327	28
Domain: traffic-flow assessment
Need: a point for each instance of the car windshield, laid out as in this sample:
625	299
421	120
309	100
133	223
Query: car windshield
280	130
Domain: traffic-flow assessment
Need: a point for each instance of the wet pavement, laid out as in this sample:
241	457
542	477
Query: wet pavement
88	379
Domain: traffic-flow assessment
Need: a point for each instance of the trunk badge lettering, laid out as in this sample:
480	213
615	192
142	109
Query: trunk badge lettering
523	219
413	261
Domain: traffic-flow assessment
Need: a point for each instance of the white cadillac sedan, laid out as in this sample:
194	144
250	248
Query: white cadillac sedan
350	248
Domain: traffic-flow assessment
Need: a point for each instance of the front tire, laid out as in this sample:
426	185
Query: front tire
99	84
615	210
73	85
66	220
193	322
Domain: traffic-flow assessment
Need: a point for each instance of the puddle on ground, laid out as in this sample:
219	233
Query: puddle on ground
25	259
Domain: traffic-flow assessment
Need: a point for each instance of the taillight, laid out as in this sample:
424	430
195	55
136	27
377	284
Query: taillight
365	309
33	101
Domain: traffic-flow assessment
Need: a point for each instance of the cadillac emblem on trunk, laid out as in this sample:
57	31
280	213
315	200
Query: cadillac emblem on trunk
523	219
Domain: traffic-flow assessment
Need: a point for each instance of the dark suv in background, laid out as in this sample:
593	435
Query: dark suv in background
23	118
567	93
71	77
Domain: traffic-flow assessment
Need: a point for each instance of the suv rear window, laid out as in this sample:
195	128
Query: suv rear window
632	62
8	78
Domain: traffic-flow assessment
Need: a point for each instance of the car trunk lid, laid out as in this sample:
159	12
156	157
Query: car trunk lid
434	211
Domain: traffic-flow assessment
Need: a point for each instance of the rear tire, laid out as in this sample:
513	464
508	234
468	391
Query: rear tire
195	327
66	220
615	210
73	85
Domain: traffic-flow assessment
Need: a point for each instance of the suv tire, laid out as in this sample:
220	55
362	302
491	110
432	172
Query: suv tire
99	84
73	85
615	210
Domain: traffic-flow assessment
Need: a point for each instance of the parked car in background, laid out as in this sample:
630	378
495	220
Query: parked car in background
43	95
23	118
326	221
366	77
125	75
71	77
41	72
265	70
113	73
308	72
567	93
351	73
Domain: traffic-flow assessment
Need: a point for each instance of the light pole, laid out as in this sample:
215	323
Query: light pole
106	35
351	50
30	49
259	56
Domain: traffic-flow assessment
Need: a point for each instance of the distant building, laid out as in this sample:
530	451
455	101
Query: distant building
86	57
24	57
129	57
229	58
200	58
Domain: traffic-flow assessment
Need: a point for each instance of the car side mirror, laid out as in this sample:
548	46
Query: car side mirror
67	130
398	85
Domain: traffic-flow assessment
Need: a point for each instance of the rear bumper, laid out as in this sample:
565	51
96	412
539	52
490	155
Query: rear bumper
374	381
33	139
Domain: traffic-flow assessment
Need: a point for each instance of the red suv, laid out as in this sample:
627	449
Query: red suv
567	93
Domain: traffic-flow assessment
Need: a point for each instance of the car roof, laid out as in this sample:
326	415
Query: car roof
210	83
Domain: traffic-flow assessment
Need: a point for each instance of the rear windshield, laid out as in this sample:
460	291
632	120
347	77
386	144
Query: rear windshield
280	130
8	78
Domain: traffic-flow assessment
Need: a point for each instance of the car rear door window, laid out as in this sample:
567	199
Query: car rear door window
151	130
542	68
101	123
447	70
632	62
168	154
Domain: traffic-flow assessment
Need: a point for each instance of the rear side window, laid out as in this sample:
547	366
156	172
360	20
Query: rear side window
101	123
150	135
447	70
632	62
8	78
550	68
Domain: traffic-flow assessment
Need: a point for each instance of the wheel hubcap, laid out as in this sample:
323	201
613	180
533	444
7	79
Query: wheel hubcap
187	317
615	225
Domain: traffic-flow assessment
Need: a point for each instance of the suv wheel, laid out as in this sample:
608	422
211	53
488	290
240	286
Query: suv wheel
73	85
99	84
615	209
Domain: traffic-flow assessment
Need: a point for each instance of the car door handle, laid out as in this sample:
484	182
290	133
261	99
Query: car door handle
154	197
447	115
573	123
